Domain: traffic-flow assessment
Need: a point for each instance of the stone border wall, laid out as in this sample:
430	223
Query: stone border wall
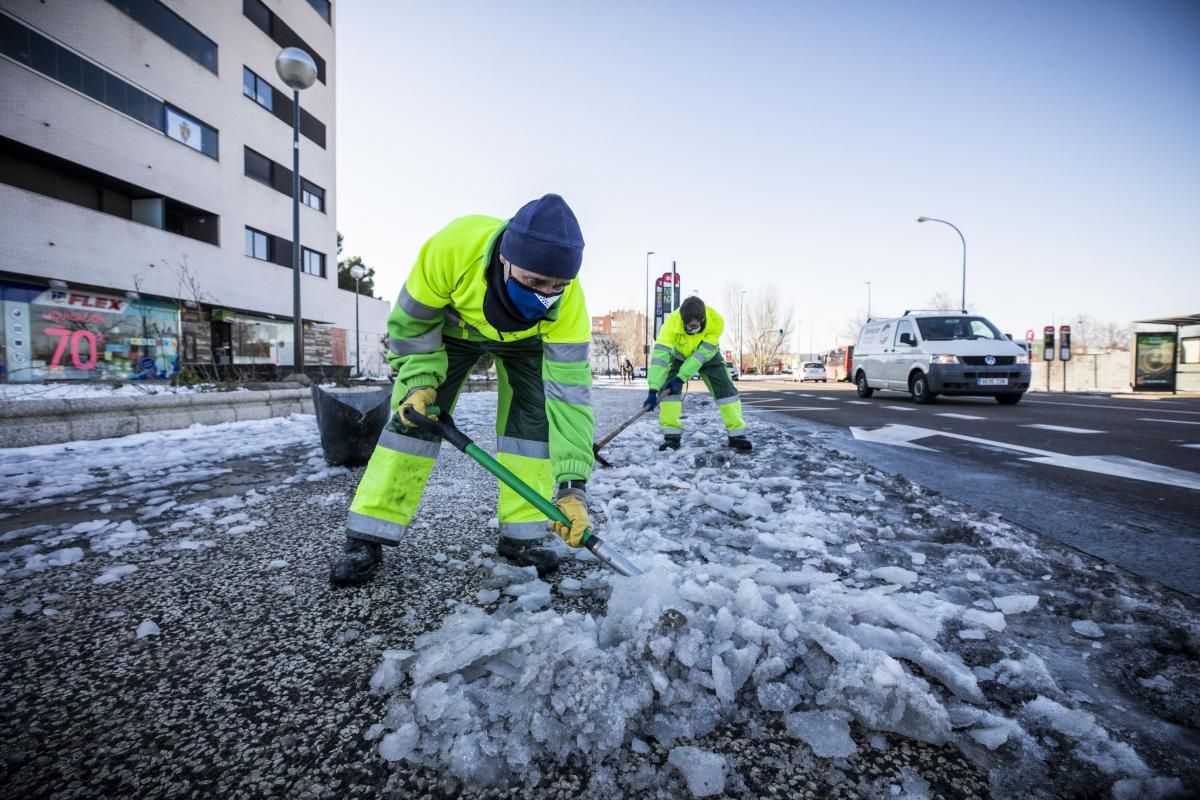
31	422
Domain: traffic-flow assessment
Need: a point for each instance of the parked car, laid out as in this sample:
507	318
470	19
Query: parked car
733	370
813	371
639	372
938	352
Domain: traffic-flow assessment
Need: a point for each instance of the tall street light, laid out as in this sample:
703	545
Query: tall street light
964	244
358	272
297	69
646	341
868	283
741	305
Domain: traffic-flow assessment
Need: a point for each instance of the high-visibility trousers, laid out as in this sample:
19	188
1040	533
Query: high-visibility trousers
399	468
715	375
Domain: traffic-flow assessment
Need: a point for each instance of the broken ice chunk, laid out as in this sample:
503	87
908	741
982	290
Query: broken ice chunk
1088	628
703	771
826	734
898	575
1016	603
147	628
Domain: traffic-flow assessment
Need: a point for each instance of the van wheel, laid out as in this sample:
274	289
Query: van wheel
1009	398
863	389
919	386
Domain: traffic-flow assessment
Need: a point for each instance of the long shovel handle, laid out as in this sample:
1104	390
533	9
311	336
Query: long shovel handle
444	427
644	410
596	447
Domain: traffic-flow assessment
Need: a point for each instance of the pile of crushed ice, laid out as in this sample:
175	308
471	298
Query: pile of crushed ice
752	598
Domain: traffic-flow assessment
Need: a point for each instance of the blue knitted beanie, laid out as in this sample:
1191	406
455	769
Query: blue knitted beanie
544	237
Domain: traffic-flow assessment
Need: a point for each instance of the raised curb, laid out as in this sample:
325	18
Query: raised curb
24	423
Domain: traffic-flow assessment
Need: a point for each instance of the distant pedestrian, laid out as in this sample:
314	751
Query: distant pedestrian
627	371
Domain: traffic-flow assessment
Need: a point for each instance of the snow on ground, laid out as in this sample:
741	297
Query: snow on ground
34	392
797	583
110	494
791	589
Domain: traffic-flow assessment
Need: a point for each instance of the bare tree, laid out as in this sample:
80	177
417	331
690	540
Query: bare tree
1090	335
769	326
607	348
628	334
852	326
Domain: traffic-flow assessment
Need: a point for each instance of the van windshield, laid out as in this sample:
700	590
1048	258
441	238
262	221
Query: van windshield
944	329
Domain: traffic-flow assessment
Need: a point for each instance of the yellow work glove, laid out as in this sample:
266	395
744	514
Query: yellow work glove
573	503
418	400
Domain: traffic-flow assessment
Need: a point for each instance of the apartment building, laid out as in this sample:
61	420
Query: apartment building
146	192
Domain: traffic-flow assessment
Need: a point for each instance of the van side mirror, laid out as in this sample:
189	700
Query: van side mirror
908	339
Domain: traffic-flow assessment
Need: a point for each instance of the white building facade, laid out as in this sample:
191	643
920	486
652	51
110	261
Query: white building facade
146	193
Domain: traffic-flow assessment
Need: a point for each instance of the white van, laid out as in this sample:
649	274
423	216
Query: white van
927	353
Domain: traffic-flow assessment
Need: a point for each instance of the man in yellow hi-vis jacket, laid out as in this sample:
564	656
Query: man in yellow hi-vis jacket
689	343
508	288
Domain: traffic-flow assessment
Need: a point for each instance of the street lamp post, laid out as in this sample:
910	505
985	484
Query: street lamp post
868	283
964	244
741	305
297	69
646	341
358	272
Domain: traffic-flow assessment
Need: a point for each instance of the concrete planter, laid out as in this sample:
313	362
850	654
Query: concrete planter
31	422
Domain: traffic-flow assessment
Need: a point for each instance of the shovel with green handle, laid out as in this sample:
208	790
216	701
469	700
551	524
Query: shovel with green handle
444	427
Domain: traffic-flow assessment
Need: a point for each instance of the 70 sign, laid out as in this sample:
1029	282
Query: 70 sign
72	338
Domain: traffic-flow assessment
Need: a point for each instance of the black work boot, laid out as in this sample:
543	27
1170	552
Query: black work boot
357	563
528	553
671	441
740	443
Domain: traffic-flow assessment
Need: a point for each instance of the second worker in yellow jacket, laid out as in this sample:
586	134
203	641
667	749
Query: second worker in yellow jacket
688	344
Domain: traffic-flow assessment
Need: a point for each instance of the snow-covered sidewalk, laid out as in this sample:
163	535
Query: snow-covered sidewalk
804	622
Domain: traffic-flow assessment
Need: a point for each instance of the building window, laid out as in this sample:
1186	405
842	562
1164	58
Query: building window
258	244
259	167
257	89
42	173
191	131
279	178
266	21
280	104
314	262
28	47
321	7
312	195
180	34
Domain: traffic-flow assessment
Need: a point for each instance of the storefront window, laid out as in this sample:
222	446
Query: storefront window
257	341
70	334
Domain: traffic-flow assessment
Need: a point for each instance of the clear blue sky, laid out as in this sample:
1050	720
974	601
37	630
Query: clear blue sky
793	144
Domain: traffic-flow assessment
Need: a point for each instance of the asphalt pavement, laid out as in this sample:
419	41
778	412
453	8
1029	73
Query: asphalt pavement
1117	477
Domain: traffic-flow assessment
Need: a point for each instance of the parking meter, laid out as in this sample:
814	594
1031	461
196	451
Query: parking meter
1064	342
1048	343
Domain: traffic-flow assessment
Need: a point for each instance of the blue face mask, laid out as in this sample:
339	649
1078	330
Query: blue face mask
532	305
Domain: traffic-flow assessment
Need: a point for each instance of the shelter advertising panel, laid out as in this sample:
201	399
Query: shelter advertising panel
1154	362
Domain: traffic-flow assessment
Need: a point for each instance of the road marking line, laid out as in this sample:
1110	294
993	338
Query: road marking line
788	408
1143	409
900	408
961	416
1175	421
1118	466
1192	445
861	402
1061	428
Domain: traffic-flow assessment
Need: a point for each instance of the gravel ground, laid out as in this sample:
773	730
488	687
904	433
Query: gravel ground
257	684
